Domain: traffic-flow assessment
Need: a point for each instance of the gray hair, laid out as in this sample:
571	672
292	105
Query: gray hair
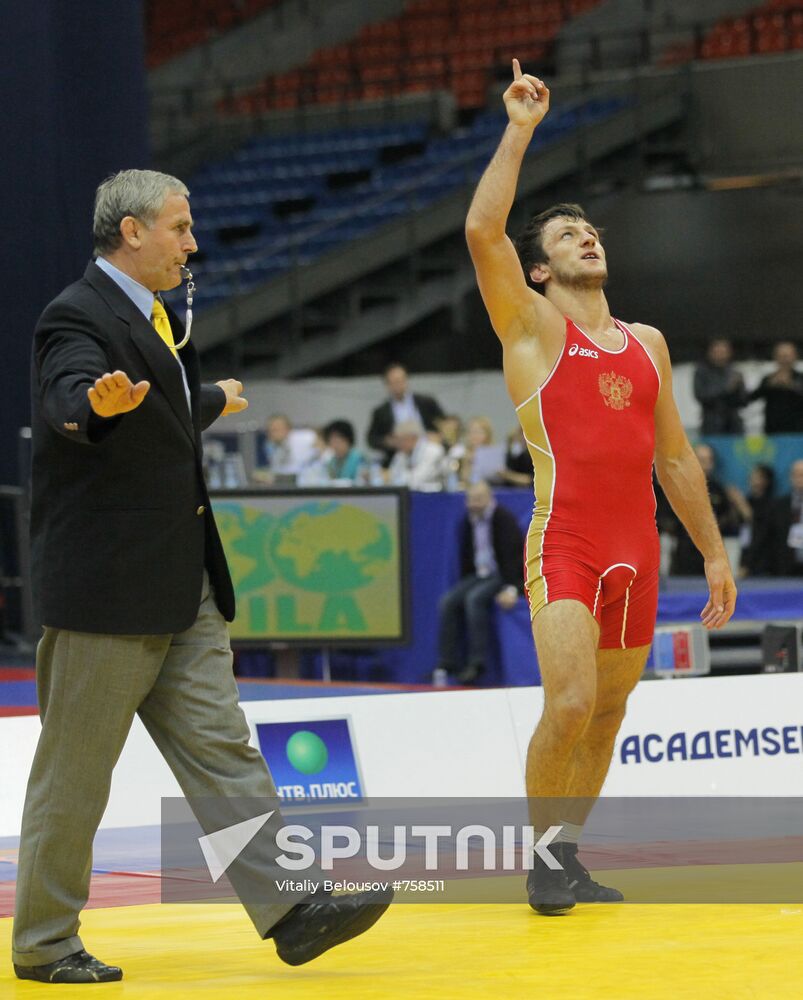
411	427
140	193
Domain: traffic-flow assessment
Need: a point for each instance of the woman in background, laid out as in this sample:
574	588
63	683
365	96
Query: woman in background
345	461
479	433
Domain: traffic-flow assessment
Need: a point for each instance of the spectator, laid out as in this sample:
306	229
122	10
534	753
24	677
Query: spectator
418	461
315	471
518	470
491	548
782	392
719	388
287	450
686	559
479	436
757	510
401	406
346	462
788	526
450	429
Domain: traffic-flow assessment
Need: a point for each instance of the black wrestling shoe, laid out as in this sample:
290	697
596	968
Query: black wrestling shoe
77	968
585	889
310	929
547	889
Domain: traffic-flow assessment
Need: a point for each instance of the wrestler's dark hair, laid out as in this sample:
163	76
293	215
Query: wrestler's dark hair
529	244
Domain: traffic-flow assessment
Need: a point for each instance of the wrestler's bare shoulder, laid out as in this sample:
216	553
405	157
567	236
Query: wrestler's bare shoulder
648	335
653	341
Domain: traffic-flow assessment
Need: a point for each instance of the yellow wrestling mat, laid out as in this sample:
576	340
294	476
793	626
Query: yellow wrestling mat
431	952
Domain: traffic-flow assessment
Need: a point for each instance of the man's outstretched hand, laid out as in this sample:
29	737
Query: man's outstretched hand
235	402
526	99
114	393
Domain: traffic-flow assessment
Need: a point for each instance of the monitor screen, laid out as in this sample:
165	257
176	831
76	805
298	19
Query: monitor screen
317	566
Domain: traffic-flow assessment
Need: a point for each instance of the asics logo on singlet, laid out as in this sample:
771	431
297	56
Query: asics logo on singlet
584	352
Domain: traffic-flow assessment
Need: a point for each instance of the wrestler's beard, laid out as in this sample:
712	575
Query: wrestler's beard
578	281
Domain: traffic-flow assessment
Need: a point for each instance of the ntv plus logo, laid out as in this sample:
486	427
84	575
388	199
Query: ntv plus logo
311	761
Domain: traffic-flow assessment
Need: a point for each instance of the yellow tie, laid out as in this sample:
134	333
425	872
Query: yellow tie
162	326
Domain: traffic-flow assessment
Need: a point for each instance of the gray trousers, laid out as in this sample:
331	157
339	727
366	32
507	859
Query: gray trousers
468	603
89	687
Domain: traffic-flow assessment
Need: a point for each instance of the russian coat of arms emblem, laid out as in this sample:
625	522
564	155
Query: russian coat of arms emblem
616	390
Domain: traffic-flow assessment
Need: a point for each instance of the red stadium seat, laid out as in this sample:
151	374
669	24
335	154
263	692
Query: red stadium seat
284	102
771	40
764	24
287	83
463	62
379	73
414	50
530	53
777	26
183	24
425	45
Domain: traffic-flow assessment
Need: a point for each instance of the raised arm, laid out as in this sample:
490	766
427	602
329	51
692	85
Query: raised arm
683	482
512	305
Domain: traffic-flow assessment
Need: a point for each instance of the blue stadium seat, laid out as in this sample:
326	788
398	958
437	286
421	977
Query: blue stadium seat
242	192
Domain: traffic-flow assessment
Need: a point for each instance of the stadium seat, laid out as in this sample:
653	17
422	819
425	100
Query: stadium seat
777	26
245	242
473	35
172	28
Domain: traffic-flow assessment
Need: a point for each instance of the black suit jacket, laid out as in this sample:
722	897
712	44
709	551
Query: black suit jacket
121	526
508	544
382	421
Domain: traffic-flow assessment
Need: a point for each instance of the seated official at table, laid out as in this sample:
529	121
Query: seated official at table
286	451
491	553
418	462
345	461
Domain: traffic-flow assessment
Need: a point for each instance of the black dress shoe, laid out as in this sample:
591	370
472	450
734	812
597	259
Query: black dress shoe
471	673
310	929
77	968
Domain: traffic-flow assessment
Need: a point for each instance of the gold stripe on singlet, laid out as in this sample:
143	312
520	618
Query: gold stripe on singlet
532	422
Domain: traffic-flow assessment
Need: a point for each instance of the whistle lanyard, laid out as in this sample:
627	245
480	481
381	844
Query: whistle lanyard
188	319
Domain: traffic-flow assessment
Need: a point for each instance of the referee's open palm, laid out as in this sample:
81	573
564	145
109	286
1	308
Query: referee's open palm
115	393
